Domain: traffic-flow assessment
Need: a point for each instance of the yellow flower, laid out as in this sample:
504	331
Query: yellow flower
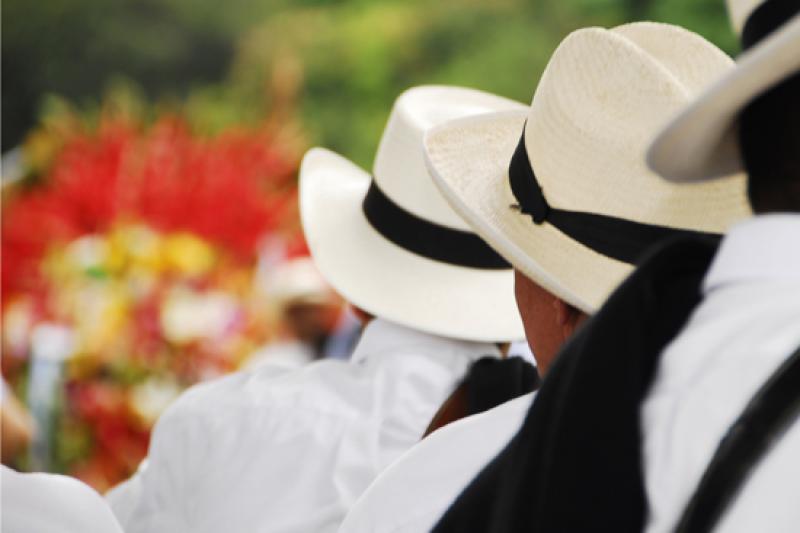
18	321
188	254
140	245
100	312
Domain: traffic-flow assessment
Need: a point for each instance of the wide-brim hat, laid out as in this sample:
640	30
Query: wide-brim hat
583	204
390	244
701	143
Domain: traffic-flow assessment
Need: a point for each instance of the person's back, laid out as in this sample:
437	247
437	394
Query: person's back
411	494
607	210
348	420
748	323
48	503
746	326
292	450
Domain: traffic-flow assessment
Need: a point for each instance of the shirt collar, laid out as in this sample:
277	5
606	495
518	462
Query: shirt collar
381	336
765	247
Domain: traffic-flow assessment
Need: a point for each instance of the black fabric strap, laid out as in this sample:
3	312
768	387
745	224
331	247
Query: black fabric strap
576	464
767	18
617	238
489	382
425	238
492	381
768	415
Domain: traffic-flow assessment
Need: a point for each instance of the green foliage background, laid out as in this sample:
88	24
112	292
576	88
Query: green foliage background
329	69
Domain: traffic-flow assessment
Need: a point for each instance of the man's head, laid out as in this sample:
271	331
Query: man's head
769	137
548	320
388	241
561	190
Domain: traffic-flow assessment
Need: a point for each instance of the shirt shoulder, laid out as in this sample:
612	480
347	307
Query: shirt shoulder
738	336
49	502
316	385
413	492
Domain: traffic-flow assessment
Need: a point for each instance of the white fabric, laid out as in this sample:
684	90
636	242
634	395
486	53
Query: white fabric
523	350
292	451
288	354
49	503
413	493
124	497
746	326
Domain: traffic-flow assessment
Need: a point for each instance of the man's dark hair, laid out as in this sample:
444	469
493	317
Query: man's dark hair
769	137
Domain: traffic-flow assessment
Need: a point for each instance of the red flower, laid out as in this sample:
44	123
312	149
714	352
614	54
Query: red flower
230	190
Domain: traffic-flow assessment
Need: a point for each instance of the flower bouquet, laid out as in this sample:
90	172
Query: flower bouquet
128	268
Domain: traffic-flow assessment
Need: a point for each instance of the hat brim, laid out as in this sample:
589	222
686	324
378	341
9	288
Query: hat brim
701	142
391	282
469	161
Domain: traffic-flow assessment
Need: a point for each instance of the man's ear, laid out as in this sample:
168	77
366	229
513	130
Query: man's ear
567	317
561	311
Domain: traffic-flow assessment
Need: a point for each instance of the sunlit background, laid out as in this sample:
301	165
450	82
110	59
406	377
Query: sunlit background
150	234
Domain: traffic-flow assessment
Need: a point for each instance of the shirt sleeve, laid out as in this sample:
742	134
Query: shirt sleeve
155	498
123	497
51	502
221	460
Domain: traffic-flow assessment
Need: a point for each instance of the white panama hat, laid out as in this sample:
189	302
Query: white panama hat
409	261
599	101
701	143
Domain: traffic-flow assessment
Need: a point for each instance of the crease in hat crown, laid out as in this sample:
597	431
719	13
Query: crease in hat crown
399	168
601	98
586	121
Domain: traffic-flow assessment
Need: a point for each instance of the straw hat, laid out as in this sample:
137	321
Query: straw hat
596	206
701	143
392	245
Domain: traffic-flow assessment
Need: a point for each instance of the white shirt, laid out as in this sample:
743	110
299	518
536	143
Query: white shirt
292	451
289	354
48	503
413	493
746	326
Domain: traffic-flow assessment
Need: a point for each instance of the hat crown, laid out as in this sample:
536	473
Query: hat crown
400	169
601	99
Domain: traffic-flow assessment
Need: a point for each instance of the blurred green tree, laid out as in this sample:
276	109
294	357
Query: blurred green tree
349	60
73	47
331	68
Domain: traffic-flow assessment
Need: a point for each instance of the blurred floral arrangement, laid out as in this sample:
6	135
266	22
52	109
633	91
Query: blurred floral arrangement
129	260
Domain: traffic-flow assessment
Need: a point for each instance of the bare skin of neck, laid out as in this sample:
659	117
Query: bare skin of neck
548	320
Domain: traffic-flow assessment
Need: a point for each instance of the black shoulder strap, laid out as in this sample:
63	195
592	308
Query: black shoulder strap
549	479
768	415
489	382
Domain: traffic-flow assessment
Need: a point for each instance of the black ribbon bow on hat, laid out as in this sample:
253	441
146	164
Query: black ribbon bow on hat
617	238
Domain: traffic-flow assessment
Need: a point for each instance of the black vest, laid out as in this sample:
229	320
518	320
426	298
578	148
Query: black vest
576	464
